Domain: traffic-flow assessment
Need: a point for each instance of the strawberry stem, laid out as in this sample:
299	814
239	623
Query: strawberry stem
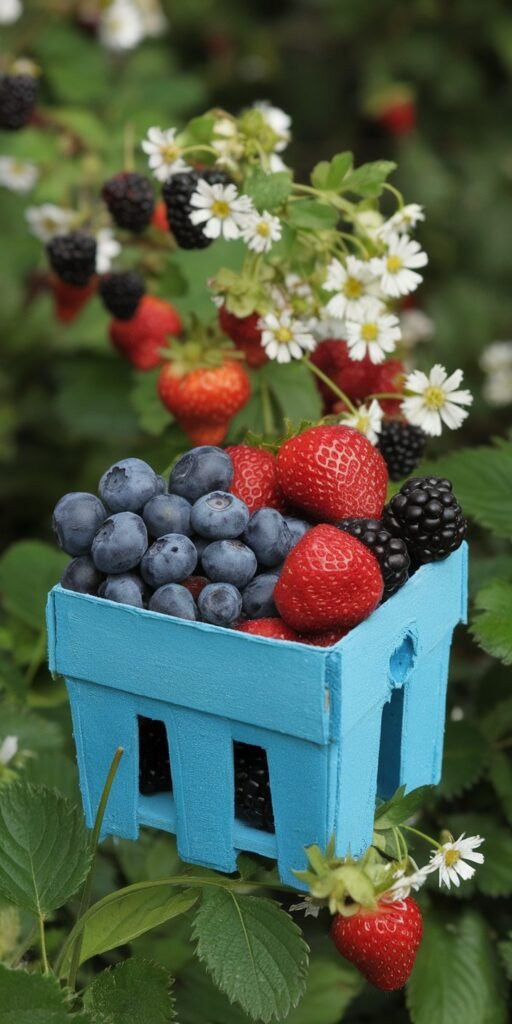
428	839
330	384
386	394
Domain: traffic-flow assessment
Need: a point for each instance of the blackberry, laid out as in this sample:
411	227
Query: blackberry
18	94
154	764
402	447
176	192
427	515
390	552
121	293
73	257
253	799
129	197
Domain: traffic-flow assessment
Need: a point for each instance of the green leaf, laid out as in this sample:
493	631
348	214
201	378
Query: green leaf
482	481
152	415
493	627
134	990
500	775
494	876
400	807
32	999
505	949
44	848
331	986
254	952
56	770
312	215
10	929
268	191
466	752
368	180
200	130
34	732
329	175
28	570
457	975
498	721
295	391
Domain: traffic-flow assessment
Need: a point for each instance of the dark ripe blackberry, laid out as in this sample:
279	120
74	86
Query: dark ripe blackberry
18	94
121	293
129	197
390	552
253	799
176	192
427	515
154	763
73	257
402	447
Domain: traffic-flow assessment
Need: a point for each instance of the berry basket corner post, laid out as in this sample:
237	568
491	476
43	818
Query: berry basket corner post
339	726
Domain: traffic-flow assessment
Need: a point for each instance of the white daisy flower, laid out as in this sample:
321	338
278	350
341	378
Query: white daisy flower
154	22
350	282
416	326
367	420
404	883
17	175
8	749
121	26
107	248
284	338
450	860
262	231
403	220
397	269
221	209
372	331
435	400
10	11
277	120
164	153
47	220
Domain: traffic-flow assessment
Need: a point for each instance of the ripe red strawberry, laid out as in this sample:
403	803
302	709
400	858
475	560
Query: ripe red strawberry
245	333
255	479
141	338
399	117
195	584
333	472
329	581
69	299
204	398
331	356
323	639
276	629
204	433
389	377
382	943
159	218
358	378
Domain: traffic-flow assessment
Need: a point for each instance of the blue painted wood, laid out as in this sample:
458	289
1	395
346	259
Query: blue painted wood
339	725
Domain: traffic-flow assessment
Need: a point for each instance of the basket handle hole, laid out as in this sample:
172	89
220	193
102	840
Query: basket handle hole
402	660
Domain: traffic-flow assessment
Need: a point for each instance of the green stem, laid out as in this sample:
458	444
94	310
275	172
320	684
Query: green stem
266	408
356	241
37	657
330	384
195	149
386	394
397	194
396	837
42	941
428	839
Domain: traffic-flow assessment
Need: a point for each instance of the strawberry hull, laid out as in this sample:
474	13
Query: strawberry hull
340	725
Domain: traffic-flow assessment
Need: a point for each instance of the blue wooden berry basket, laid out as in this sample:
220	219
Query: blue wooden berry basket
339	725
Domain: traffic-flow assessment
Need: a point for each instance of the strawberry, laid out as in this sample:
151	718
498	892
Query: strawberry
195	584
141	338
204	398
323	639
276	629
382	943
399	117
159	218
332	472
329	581
255	479
246	335
331	356
389	377
204	433
69	299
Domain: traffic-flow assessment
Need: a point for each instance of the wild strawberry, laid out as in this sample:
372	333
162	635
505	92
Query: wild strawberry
205	397
159	218
255	479
333	472
382	943
399	117
245	333
276	629
329	581
69	299
141	338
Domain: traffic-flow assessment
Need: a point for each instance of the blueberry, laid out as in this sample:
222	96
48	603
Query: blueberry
257	598
219	516
161	485
167	513
220	604
229	561
169	560
128	485
200	471
297	528
126	588
76	519
120	543
171	599
269	536
81	575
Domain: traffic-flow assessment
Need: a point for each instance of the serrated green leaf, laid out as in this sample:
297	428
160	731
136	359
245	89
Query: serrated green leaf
268	191
44	848
466	751
500	775
457	975
331	986
505	949
28	570
493	627
32	999
368	180
482	481
312	215
295	391
56	770
320	174
498	721
134	990
400	807
254	952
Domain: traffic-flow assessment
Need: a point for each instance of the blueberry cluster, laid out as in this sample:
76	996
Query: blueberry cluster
190	549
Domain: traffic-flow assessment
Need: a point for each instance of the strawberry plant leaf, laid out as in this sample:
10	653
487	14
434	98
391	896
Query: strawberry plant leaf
151	414
505	949
33	999
331	986
33	732
136	989
500	775
312	215
268	191
254	952
466	752
494	876
368	180
400	807
498	721
493	627
28	570
295	391
482	481
328	175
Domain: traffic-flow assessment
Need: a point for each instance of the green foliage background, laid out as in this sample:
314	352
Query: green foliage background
69	407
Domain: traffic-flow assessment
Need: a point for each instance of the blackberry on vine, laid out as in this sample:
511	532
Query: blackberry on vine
253	799
73	257
130	199
121	293
18	94
402	447
177	192
428	517
390	552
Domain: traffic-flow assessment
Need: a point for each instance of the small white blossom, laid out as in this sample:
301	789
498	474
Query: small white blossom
435	400
403	220
10	11
8	749
17	175
154	22
121	26
369	222
107	248
277	120
310	908
415	326
47	220
350	282
373	332
450	860
497	357
164	153
397	269
227	143
496	361
284	338
404	883
497	389
262	231
367	420
221	209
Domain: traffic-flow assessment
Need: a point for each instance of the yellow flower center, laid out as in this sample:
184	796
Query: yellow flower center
394	264
170	152
362	423
451	857
263	229
17	167
220	209
434	398
352	288
284	335
369	331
